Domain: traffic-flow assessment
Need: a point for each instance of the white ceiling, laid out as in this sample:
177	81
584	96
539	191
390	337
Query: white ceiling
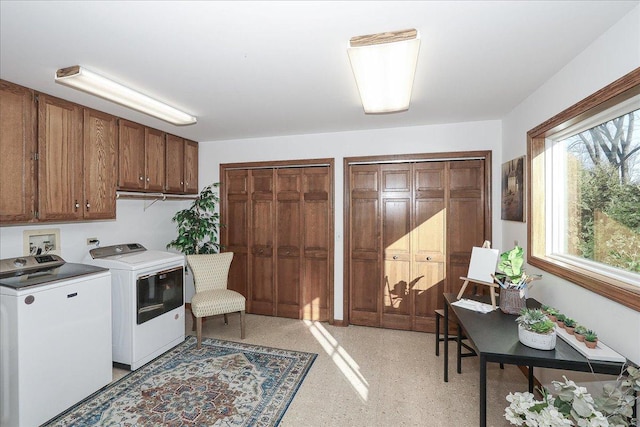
255	69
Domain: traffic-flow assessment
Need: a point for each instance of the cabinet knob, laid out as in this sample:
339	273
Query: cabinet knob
148	179
141	178
395	257
88	205
428	258
77	205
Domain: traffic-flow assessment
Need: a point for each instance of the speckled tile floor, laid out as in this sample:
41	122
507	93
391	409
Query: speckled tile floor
374	377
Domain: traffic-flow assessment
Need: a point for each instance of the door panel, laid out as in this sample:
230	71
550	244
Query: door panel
235	233
262	231
288	236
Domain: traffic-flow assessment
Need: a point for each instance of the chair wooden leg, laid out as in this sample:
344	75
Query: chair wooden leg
242	324
199	330
226	321
193	323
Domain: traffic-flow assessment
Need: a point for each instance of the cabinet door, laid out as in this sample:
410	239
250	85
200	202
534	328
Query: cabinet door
131	172
191	167
174	180
155	166
100	165
18	148
60	159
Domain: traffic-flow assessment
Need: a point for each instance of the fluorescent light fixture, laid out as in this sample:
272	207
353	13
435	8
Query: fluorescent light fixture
384	66
80	78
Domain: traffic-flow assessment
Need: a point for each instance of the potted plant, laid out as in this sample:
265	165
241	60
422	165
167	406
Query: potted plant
552	313
199	224
560	318
579	332
569	325
535	330
510	265
513	280
590	339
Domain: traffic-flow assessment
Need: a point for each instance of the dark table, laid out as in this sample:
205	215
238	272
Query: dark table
495	337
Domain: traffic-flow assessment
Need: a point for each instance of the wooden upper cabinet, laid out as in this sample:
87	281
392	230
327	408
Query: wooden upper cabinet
174	181
154	160
131	165
18	147
100	165
60	159
190	167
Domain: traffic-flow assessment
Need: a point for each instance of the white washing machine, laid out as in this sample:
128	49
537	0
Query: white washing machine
147	291
55	336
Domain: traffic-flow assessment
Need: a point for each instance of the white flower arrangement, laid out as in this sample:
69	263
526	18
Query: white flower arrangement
574	406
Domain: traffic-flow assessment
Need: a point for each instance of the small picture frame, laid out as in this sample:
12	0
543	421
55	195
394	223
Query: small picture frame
513	190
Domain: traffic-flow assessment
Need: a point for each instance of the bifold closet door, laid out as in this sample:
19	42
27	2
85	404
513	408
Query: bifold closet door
278	224
412	227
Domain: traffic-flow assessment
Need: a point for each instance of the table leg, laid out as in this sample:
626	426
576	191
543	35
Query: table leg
459	342
446	342
483	391
530	379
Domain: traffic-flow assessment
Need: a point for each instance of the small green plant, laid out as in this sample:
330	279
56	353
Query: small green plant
580	330
534	320
552	311
590	336
561	317
569	322
510	264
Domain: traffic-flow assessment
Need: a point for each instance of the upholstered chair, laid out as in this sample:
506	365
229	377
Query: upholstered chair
210	274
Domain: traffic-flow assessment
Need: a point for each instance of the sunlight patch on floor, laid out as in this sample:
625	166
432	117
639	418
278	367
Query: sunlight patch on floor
340	358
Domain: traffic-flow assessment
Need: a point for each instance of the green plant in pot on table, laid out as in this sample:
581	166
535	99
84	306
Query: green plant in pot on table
513	280
536	330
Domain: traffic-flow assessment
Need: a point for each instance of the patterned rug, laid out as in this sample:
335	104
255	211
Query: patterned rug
223	384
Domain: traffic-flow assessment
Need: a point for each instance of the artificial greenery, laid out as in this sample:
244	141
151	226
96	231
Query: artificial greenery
198	225
561	317
569	322
534	320
580	330
511	263
590	336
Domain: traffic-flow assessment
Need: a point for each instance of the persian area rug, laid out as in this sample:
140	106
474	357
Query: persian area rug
223	384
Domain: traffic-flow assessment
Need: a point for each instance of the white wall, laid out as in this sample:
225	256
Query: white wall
420	139
151	227
614	54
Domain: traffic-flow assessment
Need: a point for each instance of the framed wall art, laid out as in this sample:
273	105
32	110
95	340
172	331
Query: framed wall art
513	191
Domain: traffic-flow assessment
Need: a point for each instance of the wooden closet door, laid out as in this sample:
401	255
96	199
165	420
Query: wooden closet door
364	259
288	242
428	242
466	219
316	232
235	233
262	242
397	282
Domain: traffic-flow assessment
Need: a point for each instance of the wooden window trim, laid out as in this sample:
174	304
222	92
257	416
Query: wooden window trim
616	290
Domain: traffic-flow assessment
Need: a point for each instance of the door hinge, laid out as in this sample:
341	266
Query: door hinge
36	156
36	214
36	98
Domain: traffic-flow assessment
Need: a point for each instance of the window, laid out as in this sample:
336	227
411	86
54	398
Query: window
584	192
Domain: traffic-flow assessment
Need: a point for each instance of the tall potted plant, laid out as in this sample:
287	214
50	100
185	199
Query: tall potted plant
198	225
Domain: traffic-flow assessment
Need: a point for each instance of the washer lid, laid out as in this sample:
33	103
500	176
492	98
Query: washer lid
46	275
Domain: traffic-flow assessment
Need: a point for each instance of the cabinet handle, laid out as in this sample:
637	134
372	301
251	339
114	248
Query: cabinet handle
428	258
148	179
141	178
88	206
395	257
77	205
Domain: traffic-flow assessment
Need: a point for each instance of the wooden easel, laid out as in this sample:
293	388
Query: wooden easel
492	286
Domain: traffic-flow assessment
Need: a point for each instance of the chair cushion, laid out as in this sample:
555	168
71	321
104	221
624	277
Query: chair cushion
217	301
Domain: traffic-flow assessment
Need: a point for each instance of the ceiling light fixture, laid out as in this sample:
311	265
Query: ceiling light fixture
384	66
80	78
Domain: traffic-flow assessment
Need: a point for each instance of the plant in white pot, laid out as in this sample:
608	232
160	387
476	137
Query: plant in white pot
536	330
